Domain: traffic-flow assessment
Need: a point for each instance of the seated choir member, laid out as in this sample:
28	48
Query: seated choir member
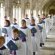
27	20
27	34
3	49
35	36
14	25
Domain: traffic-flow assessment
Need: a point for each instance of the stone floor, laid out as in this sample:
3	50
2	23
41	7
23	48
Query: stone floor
49	47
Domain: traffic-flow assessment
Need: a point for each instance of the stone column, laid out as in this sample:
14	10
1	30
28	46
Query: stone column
23	9
14	11
8	9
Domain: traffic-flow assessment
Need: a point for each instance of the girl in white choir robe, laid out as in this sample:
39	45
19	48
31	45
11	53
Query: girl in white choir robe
27	45
16	39
14	25
7	30
40	25
3	49
44	35
43	30
35	37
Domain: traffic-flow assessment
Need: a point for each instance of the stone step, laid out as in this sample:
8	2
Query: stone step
51	32
51	36
49	45
50	40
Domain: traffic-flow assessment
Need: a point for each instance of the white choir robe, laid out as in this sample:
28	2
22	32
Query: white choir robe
44	35
41	38
53	19
15	26
28	44
21	50
8	35
4	52
9	31
27	21
47	25
7	39
35	39
51	22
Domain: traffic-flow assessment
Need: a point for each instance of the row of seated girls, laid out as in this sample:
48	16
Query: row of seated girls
24	40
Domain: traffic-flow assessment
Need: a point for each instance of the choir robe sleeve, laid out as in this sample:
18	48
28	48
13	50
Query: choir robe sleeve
20	47
40	26
6	52
9	32
19	44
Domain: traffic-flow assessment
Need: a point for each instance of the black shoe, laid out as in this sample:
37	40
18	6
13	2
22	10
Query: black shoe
41	44
33	53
